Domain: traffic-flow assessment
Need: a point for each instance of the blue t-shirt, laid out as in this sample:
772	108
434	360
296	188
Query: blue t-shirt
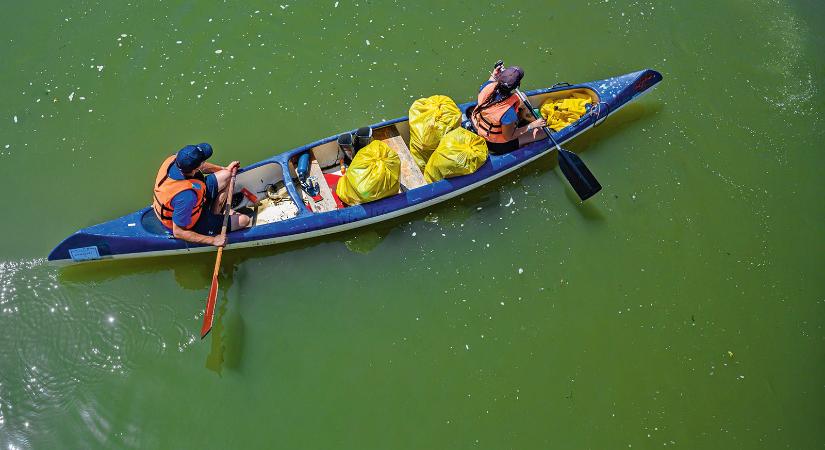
510	116
184	202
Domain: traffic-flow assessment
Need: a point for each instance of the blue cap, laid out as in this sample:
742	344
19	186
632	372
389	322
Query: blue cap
191	157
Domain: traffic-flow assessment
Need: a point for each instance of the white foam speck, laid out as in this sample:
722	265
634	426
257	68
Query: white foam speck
178	42
218	51
336	5
520	271
71	96
15	119
100	68
368	42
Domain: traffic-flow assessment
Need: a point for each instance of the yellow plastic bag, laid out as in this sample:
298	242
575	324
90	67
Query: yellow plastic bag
461	152
562	112
430	119
372	175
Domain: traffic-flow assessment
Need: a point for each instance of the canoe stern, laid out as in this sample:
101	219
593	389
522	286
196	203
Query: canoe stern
124	235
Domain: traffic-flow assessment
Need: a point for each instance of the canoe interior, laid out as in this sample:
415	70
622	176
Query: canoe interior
326	164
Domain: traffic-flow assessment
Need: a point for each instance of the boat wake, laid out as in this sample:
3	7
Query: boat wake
797	87
61	339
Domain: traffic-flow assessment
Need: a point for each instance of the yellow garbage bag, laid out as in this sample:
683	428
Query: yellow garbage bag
562	112
372	175
460	152
430	119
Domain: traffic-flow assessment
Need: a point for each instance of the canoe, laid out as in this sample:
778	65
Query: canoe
287	213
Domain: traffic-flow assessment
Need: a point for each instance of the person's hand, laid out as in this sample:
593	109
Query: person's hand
233	166
219	240
497	70
538	123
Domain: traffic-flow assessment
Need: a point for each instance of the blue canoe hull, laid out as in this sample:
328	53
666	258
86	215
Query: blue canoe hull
131	236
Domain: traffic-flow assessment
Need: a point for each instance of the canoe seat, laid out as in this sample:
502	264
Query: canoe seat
411	176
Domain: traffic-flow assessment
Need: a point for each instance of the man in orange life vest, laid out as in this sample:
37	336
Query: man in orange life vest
497	114
190	203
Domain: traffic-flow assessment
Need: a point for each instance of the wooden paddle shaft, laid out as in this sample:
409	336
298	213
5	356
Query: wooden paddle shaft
228	206
226	214
218	262
213	290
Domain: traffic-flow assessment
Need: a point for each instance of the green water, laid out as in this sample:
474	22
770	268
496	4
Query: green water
681	307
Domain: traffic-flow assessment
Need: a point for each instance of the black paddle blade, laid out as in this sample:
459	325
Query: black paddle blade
578	175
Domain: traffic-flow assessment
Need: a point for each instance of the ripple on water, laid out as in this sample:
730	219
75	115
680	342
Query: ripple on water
797	88
62	339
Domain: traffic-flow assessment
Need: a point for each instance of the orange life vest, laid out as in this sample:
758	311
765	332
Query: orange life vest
488	121
167	188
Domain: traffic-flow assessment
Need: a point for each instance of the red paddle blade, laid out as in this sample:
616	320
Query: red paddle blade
210	308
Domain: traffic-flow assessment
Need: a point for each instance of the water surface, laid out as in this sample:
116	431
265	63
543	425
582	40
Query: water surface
681	307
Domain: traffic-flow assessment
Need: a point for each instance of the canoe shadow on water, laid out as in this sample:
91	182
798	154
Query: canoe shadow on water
614	125
601	134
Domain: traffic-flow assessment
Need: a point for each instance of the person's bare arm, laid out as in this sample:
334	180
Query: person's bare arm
530	127
197	238
510	131
208	167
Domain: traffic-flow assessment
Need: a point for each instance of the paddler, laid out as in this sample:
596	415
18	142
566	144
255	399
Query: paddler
190	194
496	116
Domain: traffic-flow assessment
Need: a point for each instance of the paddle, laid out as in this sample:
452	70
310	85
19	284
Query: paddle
213	290
573	168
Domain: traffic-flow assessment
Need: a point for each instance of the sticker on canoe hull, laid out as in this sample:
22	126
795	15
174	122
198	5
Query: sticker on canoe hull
84	253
